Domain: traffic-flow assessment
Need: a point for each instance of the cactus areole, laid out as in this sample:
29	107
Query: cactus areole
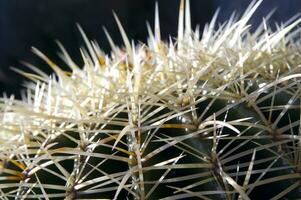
211	115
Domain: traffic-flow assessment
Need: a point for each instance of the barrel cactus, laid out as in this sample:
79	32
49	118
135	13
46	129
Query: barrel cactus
211	115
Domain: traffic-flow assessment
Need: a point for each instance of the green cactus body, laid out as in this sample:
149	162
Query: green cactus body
211	116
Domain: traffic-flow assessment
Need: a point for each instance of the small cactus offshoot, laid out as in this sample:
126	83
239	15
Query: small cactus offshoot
211	115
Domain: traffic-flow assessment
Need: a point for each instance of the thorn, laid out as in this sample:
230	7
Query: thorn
157	24
55	68
66	56
181	22
88	44
124	37
111	42
187	18
151	35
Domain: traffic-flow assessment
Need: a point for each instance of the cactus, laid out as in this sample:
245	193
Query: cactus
206	116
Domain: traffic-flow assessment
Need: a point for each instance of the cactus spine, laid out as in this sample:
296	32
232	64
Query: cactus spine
208	116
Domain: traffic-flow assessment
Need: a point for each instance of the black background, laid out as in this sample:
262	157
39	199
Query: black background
26	23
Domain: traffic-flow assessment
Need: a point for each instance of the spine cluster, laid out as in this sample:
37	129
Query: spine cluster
211	115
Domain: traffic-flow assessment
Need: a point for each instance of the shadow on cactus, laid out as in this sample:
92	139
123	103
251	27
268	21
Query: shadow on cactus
212	115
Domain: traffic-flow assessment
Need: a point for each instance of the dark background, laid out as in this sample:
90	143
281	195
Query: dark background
26	23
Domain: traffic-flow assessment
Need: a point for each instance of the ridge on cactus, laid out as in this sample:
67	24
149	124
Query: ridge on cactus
211	115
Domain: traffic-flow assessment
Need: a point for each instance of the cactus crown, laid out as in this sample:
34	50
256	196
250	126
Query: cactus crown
212	115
